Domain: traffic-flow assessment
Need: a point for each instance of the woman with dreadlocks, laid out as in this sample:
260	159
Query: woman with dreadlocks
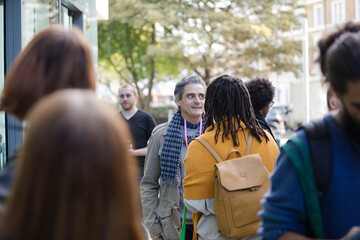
230	120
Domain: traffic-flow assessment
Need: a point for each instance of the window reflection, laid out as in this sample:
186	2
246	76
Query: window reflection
2	71
67	19
37	15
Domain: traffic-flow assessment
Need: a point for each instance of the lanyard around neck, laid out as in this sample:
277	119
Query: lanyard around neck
185	131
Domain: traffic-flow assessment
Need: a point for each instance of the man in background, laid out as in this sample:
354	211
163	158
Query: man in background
161	187
262	94
140	123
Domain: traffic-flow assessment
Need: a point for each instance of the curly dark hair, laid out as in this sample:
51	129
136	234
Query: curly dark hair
227	104
339	56
261	92
325	43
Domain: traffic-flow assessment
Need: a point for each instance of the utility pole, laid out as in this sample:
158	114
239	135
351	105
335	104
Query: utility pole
325	15
305	51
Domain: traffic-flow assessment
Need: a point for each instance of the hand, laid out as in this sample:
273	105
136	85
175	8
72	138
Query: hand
130	146
159	236
353	234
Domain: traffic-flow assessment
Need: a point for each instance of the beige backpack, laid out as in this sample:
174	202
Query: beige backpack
240	184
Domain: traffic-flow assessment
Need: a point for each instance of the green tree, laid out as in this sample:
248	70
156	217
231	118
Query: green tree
239	37
130	48
122	48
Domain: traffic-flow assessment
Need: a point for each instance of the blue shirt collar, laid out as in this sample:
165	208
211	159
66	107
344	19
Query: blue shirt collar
189	124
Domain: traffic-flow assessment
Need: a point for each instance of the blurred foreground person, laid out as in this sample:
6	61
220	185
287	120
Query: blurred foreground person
230	122
300	204
54	59
76	180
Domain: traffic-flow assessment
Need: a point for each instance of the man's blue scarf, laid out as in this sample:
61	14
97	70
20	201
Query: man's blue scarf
171	152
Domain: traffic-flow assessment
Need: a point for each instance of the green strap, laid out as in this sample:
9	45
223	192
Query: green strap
183	226
305	173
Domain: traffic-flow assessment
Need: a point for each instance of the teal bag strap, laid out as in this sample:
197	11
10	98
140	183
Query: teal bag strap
183	225
306	176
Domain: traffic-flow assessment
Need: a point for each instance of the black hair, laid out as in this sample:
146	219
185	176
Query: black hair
339	56
227	104
261	92
343	61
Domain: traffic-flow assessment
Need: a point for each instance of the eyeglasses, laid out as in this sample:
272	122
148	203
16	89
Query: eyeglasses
271	103
125	95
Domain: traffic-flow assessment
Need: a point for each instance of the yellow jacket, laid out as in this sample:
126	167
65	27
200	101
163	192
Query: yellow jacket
199	163
198	183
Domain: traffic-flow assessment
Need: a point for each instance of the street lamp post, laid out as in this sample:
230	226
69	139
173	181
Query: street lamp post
305	50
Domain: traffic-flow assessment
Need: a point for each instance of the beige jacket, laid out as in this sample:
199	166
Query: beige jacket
160	202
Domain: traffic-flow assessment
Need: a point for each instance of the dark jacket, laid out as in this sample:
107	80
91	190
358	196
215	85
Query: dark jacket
263	123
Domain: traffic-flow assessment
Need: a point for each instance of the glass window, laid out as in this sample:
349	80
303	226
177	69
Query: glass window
67	17
37	15
357	7
2	74
90	27
318	15
338	11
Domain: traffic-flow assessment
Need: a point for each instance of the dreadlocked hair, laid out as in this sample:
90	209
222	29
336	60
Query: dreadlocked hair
227	104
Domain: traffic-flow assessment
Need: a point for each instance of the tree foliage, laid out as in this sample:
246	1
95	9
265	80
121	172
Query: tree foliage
148	39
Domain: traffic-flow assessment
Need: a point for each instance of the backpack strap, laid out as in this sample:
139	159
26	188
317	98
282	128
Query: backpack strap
298	153
313	168
209	148
238	154
319	140
248	144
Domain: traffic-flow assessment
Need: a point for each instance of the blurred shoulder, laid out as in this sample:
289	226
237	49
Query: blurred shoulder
160	129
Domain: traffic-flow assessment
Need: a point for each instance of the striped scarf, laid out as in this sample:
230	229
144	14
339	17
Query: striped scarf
171	152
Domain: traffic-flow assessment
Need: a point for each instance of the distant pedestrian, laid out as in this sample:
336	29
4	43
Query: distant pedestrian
161	187
230	120
75	178
140	123
262	94
333	209
54	59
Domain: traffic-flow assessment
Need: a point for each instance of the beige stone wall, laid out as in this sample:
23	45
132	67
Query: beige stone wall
295	91
309	9
350	9
318	105
327	13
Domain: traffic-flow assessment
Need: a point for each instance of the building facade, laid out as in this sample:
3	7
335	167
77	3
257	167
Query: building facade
322	16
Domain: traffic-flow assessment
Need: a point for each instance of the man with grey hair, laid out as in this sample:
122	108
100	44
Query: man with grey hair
162	201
